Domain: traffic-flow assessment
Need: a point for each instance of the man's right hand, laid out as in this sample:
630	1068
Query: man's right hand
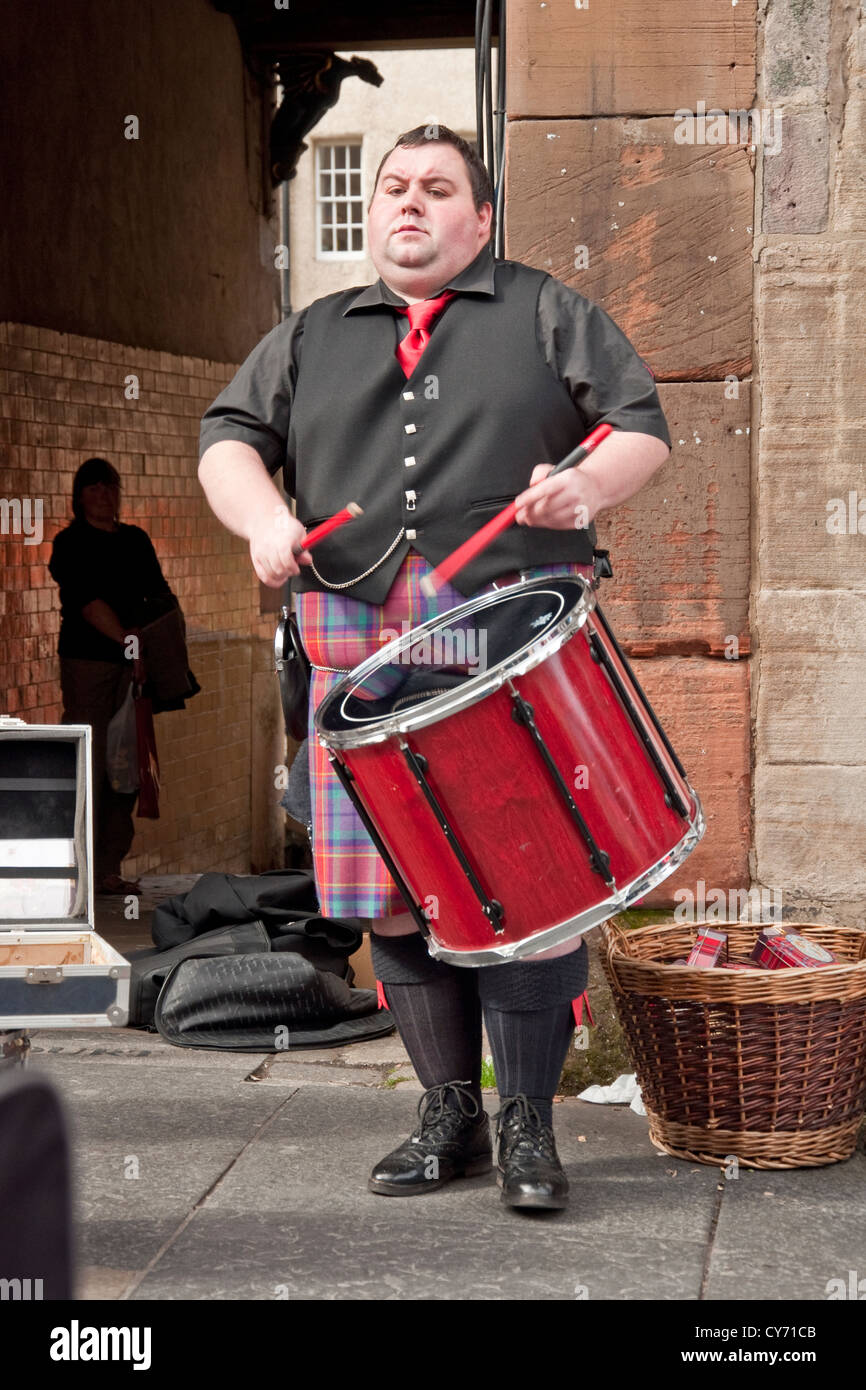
273	541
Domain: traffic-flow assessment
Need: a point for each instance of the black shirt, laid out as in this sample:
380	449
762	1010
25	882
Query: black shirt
121	568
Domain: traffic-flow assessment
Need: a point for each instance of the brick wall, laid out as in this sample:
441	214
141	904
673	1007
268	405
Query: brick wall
62	399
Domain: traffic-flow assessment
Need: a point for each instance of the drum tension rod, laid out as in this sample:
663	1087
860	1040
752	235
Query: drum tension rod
347	778
640	690
491	908
524	714
601	657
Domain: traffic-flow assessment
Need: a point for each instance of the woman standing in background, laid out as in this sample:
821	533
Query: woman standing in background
109	579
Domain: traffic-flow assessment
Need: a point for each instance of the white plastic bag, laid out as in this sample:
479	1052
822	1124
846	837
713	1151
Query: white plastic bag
624	1090
121	755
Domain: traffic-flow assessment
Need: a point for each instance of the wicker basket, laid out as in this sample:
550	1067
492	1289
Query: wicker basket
770	1066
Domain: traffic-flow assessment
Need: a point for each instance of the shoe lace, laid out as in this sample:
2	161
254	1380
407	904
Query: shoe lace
433	1107
519	1126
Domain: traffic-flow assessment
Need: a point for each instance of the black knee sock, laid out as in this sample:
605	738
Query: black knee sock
528	1053
436	1009
528	1014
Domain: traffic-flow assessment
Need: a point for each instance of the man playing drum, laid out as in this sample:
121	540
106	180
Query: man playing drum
432	398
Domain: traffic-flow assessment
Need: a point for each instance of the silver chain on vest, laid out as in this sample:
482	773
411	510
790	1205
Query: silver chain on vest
347	583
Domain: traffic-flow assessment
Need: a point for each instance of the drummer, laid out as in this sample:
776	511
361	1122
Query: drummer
433	397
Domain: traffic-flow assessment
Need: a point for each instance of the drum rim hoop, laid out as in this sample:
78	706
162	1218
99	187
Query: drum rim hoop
473	691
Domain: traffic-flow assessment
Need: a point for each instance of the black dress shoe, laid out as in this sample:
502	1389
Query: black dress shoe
450	1141
528	1168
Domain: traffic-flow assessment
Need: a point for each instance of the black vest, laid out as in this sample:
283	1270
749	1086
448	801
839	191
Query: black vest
438	454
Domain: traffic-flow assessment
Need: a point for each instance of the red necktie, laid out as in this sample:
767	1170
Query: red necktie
422	316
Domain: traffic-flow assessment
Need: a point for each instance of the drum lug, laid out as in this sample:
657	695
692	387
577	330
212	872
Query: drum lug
491	908
600	655
523	713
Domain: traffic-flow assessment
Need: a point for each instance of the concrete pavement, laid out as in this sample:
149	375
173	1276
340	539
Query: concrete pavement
208	1175
213	1175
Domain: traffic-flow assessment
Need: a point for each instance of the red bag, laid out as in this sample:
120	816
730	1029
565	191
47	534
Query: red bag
148	761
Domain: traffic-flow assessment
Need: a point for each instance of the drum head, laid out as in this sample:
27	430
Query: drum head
453	660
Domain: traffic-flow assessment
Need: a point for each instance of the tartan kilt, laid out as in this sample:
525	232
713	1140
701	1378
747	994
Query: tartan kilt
339	633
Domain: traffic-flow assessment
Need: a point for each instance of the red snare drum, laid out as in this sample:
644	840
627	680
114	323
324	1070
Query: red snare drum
511	772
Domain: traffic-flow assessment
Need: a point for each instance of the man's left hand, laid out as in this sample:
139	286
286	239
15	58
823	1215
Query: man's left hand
568	502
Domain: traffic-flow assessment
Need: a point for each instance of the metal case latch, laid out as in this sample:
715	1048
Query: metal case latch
44	975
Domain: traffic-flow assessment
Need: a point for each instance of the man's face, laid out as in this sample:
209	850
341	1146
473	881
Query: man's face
423	226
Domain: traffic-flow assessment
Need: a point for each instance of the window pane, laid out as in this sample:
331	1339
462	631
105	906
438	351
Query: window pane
327	239
340	185
342	212
325	184
357	239
355	156
342	239
355	185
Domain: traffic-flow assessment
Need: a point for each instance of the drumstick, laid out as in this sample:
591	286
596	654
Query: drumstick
487	533
319	533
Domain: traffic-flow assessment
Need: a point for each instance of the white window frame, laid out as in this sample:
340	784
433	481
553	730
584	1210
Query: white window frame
332	146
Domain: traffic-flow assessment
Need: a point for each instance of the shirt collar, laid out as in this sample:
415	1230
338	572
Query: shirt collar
475	278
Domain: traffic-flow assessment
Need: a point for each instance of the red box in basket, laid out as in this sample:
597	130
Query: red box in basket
787	949
767	934
710	948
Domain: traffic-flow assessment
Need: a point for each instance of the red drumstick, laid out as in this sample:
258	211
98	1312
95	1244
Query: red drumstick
487	533
319	533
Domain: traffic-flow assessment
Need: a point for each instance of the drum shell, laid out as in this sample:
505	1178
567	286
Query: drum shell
514	826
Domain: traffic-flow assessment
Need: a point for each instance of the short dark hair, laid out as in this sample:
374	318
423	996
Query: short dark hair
95	470
436	134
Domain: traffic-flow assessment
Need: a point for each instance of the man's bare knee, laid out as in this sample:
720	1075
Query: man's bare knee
402	924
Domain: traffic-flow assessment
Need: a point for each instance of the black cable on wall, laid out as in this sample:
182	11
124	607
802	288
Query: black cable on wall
490	119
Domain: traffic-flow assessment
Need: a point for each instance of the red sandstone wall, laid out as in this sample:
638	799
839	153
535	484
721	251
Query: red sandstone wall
592	162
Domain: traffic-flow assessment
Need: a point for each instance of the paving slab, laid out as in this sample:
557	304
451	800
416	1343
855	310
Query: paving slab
376	1052
414	1249
293	1218
785	1235
132	1045
147	1144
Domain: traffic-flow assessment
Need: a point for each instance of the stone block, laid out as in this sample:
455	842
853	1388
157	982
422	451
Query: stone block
813	409
586	57
810	694
811	500
680	547
656	232
796	47
796	178
703	706
850	194
810	831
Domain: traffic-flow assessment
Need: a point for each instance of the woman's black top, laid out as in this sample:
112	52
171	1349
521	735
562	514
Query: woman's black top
121	568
